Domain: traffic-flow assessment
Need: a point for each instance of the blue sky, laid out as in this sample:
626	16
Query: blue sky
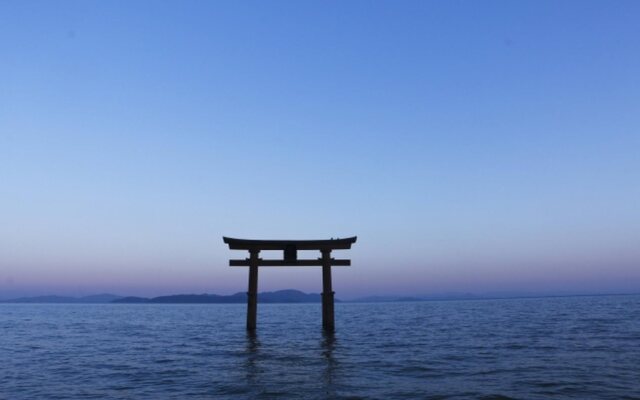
471	146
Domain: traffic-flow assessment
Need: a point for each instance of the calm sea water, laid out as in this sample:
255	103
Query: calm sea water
554	348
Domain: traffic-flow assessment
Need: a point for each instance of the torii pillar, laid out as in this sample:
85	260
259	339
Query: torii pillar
328	323
252	293
290	259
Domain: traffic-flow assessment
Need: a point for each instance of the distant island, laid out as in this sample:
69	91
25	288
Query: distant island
280	296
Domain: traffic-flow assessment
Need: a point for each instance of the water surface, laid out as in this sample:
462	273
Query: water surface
560	348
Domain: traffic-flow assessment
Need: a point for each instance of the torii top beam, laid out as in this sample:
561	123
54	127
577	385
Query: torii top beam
250	244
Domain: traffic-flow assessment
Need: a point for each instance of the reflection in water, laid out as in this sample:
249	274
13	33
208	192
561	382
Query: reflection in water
328	345
251	363
259	366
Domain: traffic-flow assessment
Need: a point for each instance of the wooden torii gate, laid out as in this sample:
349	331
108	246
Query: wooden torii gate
290	259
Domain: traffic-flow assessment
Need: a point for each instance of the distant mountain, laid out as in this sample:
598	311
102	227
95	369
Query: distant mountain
100	298
289	296
93	299
199	299
131	299
280	296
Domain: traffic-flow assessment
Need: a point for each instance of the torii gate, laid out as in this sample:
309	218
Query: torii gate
290	259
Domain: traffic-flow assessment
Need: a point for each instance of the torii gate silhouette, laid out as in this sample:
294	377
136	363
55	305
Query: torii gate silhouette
290	259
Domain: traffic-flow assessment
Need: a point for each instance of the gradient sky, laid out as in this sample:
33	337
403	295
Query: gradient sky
472	146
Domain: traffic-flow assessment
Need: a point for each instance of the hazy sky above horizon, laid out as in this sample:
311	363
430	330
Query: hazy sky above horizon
471	146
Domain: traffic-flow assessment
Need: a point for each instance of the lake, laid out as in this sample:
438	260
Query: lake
559	348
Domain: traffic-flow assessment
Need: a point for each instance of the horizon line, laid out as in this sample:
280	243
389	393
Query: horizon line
461	296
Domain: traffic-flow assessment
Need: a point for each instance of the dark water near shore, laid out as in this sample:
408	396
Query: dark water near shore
553	348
